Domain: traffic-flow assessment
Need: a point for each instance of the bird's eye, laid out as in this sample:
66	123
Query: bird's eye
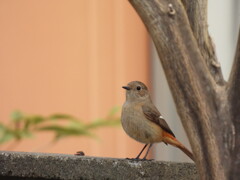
138	88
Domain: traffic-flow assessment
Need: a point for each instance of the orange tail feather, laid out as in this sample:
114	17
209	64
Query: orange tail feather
169	139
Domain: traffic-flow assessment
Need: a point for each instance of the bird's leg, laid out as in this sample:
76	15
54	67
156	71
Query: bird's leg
144	158
137	158
141	151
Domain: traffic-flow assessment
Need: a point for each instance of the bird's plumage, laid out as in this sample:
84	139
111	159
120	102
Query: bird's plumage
152	114
142	121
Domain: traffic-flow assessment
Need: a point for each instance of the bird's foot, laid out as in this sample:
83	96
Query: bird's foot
144	159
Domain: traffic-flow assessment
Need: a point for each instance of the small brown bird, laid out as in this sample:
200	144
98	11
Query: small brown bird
143	122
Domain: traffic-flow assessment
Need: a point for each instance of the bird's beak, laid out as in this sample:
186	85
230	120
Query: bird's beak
126	87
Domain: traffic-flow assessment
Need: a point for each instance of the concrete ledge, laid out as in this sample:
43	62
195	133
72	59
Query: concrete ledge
21	165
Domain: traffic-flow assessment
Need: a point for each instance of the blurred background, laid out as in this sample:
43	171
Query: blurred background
73	57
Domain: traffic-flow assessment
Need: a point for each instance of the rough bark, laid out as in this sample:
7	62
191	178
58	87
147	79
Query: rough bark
234	99
179	31
197	16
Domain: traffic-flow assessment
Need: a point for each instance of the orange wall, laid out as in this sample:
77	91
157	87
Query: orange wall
71	57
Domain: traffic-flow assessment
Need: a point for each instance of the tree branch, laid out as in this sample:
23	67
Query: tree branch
197	16
234	98
192	85
234	79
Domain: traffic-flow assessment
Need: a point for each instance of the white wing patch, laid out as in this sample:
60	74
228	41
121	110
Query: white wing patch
161	117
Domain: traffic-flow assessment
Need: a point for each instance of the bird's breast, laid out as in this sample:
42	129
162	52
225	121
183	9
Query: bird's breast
137	126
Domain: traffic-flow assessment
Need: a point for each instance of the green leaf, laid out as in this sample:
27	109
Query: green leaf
25	134
6	137
25	126
114	110
17	116
61	116
32	121
66	131
2	127
16	134
36	119
77	124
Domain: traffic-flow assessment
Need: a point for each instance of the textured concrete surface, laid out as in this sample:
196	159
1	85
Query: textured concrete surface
21	165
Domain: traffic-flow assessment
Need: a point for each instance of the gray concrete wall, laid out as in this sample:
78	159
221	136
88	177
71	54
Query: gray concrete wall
21	165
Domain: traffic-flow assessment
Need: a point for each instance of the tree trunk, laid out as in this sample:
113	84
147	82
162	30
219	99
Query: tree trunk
208	106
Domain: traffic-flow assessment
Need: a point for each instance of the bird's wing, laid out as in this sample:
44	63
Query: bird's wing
152	114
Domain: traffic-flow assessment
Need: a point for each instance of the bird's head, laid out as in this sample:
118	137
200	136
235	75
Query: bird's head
136	91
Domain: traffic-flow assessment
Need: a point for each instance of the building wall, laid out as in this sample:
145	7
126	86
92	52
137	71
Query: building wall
71	57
